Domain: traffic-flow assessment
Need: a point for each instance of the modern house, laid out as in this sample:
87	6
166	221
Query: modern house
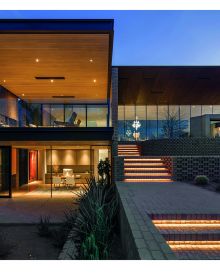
64	107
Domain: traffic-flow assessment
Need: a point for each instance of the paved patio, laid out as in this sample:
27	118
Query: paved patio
28	209
172	198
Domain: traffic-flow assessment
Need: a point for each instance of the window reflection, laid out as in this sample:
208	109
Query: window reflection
79	116
97	115
151	122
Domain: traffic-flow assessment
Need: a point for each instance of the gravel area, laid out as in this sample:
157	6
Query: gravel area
27	244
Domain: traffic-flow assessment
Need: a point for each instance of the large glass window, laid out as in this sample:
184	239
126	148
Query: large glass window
163	122
129	119
196	121
57	113
76	113
184	121
141	115
206	109
46	115
97	115
121	123
34	115
216	109
151	122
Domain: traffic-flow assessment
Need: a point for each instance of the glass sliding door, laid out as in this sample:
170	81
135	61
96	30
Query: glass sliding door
5	171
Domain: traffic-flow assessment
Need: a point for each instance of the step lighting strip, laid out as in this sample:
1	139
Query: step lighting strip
194	245
187	224
148	180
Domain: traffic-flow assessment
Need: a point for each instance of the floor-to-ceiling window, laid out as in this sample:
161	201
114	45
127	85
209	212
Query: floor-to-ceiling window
164	121
152	126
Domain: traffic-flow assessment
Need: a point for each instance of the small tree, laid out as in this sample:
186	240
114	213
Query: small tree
171	125
104	170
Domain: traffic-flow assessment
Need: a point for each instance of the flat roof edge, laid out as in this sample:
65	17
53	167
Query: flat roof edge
56	25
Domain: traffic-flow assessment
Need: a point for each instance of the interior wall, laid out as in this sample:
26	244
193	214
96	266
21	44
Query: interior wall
68	157
41	162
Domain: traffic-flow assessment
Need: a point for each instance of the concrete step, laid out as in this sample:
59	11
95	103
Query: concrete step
147	176
147	180
144	165
146	169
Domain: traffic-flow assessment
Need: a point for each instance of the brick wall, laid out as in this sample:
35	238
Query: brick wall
118	168
183	146
140	239
114	107
185	168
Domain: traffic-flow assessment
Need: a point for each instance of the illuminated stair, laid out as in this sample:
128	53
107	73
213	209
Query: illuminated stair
191	237
139	168
128	150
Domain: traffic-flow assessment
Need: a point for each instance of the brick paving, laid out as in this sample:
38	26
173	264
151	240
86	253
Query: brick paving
176	200
172	198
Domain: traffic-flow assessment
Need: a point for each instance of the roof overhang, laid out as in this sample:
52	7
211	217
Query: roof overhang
79	51
173	85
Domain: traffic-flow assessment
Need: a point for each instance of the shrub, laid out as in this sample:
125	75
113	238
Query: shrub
96	215
89	249
104	169
44	227
201	180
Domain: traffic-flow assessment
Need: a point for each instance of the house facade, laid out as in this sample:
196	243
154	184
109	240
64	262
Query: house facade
64	107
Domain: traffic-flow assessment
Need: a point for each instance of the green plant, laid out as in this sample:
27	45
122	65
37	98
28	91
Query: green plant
104	170
89	249
96	214
44	227
201	180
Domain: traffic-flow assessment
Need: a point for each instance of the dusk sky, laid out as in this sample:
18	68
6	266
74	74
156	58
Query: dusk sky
153	37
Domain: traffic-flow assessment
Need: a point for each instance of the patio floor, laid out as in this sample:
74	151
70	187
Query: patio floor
28	209
172	198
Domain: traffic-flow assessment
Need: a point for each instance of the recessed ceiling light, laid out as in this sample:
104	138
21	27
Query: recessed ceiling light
22	94
51	81
4	81
94	81
91	60
37	59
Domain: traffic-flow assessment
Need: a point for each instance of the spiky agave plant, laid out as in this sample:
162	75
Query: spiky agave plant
96	213
89	249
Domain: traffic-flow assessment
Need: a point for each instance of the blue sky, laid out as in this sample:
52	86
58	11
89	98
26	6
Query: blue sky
153	37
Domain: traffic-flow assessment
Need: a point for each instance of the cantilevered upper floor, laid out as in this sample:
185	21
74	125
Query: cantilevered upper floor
55	73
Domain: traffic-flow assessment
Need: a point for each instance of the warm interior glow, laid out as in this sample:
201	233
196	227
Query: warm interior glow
147	174
145	169
143	159
143	164
194	245
187	224
148	180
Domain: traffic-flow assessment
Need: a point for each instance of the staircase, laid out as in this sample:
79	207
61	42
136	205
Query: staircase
196	237
139	168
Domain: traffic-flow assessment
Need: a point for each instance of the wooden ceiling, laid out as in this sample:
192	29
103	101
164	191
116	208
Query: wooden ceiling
65	55
172	85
